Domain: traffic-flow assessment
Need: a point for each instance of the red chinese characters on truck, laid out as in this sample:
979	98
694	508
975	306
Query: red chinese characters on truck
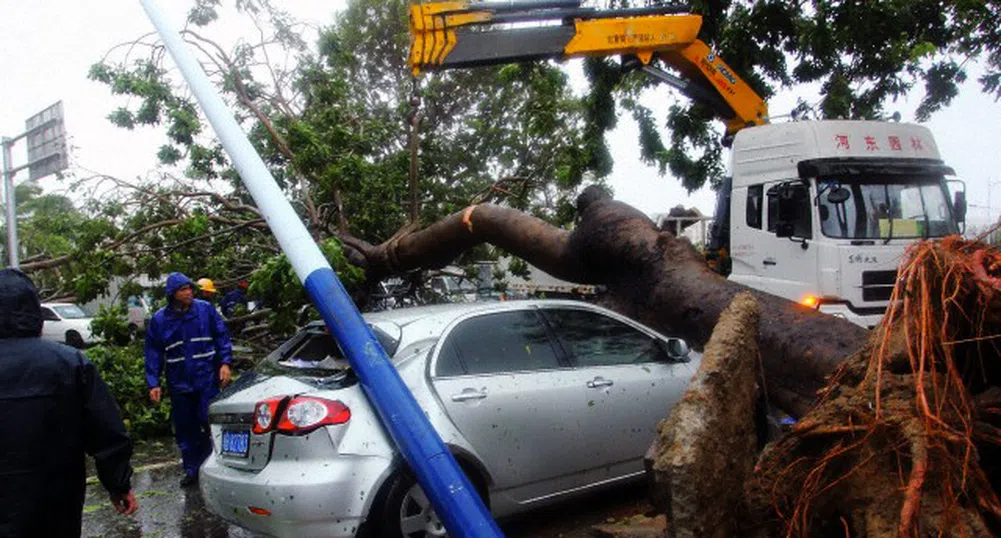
843	141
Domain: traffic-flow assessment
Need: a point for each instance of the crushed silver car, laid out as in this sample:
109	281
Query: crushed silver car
539	401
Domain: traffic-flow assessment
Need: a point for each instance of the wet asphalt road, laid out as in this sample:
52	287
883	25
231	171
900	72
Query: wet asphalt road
168	511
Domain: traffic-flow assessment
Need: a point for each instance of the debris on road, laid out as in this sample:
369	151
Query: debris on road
639	526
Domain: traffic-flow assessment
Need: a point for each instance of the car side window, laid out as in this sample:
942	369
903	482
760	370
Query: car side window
448	361
593	339
49	315
503	342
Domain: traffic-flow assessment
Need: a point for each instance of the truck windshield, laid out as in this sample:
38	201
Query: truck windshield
884	207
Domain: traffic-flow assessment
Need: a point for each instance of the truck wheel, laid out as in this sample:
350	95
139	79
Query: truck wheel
73	339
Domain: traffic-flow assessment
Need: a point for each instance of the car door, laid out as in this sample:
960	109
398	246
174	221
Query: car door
504	386
630	385
52	326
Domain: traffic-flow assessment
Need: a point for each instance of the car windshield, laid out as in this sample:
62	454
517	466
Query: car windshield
70	312
313	352
884	207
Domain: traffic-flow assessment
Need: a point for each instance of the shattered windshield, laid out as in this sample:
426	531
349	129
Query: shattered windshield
313	352
884	207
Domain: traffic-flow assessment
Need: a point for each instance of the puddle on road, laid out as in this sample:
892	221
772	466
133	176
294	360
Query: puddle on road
165	511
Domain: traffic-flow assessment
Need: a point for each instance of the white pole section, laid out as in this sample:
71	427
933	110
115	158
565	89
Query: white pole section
282	219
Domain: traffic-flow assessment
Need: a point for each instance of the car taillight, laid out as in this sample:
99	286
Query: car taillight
304	414
265	415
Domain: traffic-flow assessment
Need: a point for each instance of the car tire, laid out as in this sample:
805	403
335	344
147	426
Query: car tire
133	332
73	339
400	502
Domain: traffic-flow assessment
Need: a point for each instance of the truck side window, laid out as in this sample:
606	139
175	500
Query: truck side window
802	223
755	195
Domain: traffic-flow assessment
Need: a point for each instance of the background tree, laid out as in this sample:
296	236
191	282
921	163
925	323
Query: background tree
331	123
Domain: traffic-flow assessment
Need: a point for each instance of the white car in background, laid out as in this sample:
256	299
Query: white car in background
140	310
67	324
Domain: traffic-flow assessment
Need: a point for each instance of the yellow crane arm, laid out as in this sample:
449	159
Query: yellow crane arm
454	34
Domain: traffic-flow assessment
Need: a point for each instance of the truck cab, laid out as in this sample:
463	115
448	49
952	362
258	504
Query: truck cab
821	212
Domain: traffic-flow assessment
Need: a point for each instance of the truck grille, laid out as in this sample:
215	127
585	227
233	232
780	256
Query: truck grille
878	285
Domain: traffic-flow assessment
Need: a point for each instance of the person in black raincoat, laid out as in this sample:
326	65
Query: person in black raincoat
54	408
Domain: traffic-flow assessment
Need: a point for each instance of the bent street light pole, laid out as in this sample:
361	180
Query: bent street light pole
9	194
453	497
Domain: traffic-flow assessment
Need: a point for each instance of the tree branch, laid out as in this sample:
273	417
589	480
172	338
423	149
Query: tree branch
244	96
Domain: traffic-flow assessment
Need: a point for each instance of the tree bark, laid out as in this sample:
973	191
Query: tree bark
650	276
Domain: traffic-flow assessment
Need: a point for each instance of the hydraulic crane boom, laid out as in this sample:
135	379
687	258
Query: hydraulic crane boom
454	34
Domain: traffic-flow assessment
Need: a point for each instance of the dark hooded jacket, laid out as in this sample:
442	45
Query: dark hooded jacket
54	408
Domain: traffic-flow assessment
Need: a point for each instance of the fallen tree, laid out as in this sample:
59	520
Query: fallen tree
906	439
649	275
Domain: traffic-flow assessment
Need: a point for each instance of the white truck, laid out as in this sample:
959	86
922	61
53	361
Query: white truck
821	212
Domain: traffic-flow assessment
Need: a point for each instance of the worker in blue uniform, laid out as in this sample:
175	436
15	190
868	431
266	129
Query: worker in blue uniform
234	299
187	340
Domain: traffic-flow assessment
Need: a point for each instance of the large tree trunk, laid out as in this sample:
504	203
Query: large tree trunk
650	276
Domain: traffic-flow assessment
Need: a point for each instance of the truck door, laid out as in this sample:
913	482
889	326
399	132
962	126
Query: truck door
750	242
790	262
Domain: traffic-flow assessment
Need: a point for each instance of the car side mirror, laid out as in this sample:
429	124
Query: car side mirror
675	349
959	205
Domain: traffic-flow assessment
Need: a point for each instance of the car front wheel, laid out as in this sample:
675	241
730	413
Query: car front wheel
73	339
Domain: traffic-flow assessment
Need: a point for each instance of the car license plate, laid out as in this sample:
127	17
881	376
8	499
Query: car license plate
236	443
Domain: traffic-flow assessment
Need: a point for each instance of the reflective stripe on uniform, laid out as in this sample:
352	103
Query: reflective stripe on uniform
202	339
203	355
175	344
172	361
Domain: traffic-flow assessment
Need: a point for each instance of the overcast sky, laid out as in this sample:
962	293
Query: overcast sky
49	45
